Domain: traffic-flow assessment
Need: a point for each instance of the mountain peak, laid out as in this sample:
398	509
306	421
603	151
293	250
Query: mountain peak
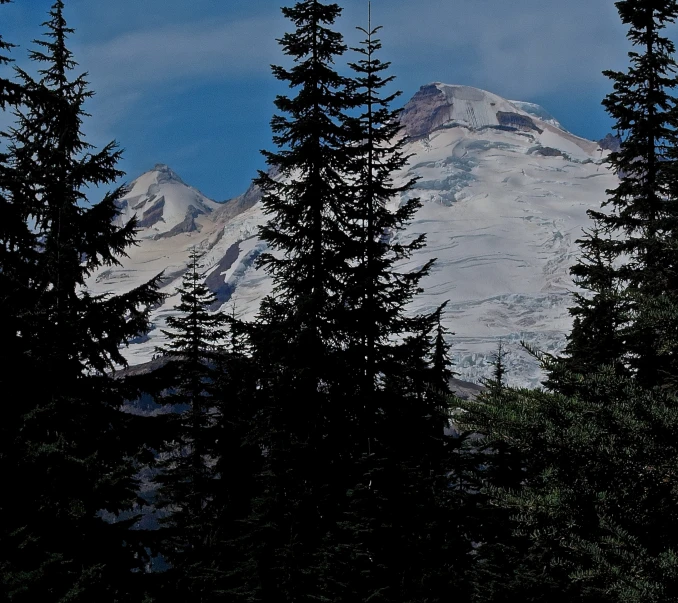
164	204
475	112
504	196
437	104
166	174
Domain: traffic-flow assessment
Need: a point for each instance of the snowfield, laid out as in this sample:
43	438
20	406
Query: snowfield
505	192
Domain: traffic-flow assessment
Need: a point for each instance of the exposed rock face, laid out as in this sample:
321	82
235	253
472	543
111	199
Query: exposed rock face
153	214
437	105
517	121
427	110
610	143
187	225
215	281
237	205
548	152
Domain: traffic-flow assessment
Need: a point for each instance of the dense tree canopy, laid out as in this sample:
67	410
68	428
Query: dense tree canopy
591	514
70	471
308	455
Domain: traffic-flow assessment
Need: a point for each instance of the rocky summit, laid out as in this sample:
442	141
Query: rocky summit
505	190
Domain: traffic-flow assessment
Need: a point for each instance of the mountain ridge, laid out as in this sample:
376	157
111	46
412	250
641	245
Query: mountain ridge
504	192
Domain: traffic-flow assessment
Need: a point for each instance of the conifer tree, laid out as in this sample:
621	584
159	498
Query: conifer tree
496	463
403	362
633	249
596	338
302	418
343	369
440	361
594	499
376	291
592	517
188	473
238	462
309	193
65	533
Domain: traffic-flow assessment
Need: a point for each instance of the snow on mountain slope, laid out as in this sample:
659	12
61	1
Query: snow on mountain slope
538	111
164	204
505	192
173	218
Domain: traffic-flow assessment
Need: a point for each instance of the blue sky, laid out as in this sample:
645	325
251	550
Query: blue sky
188	83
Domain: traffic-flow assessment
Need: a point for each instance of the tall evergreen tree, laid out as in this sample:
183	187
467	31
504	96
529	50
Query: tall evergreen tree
600	314
633	250
188	473
594	500
376	290
407	545
302	421
344	370
63	534
309	193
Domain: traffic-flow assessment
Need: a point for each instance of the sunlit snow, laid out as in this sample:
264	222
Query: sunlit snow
502	209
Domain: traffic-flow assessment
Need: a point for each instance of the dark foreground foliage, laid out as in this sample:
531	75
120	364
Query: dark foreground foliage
308	455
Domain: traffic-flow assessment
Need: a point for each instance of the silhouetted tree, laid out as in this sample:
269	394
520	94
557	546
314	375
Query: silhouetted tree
593	504
65	533
344	371
188	476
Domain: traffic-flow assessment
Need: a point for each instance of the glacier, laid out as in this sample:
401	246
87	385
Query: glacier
505	191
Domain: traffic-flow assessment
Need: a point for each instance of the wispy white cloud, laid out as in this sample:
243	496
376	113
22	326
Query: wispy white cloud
524	47
520	49
137	67
182	52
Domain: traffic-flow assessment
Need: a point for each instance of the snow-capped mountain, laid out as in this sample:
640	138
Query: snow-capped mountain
173	217
505	191
165	205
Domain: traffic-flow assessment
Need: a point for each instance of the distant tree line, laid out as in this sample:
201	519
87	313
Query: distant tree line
308	455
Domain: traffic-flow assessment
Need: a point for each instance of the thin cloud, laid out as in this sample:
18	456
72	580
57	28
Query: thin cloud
198	50
520	49
514	48
137	69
